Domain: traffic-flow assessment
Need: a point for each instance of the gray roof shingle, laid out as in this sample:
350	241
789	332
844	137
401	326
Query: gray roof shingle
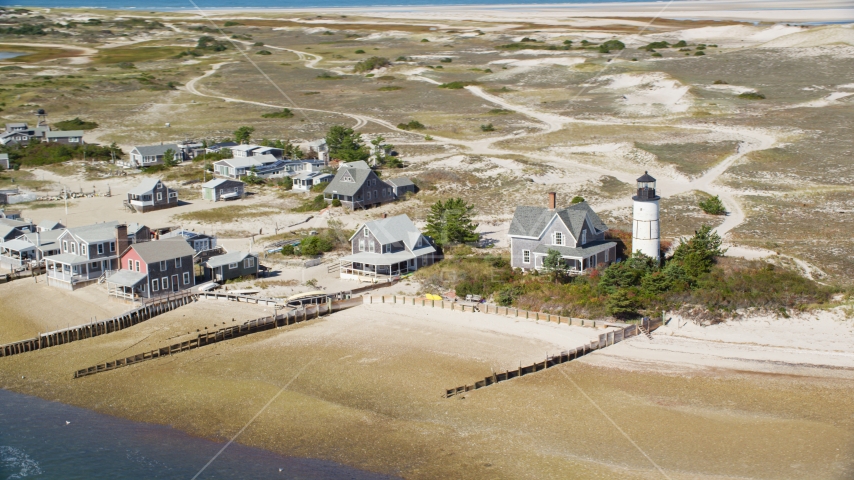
591	248
144	186
154	150
98	232
531	221
337	185
400	182
161	250
398	229
231	257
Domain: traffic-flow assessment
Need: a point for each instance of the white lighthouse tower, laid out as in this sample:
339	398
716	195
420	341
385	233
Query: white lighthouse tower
646	234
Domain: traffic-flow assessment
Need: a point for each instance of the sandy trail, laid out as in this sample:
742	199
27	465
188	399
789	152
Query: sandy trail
752	140
84	58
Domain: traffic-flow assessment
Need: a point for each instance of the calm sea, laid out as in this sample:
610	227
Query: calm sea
300	4
36	442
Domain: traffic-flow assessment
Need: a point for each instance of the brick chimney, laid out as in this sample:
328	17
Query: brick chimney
122	241
552	200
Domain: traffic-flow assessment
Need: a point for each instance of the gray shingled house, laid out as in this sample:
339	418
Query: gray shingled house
222	189
232	265
401	186
151	194
357	186
575	231
386	248
86	253
148	156
152	269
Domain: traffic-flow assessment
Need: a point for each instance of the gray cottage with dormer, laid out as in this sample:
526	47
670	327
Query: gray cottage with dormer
357	186
576	232
386	248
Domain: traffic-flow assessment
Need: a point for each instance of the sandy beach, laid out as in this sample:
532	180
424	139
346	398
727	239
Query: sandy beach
831	11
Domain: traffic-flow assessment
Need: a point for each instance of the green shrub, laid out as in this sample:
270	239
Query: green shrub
752	96
369	64
258	44
446	60
390	89
400	59
656	54
412	125
699	53
126	65
285	113
286	182
231	23
315	245
75	124
336	202
576	199
487	128
263	52
680	44
288	250
424	40
652	46
720	82
456	85
311	205
359	51
713	206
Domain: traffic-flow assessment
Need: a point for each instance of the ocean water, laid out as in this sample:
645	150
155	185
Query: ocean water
161	5
5	55
36	442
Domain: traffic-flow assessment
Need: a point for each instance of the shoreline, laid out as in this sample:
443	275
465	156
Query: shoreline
827	12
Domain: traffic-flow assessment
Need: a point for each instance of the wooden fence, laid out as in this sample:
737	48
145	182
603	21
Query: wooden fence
617	333
605	339
151	309
238	298
228	333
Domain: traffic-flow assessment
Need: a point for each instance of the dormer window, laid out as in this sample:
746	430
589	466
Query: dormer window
558	238
366	232
418	242
583	237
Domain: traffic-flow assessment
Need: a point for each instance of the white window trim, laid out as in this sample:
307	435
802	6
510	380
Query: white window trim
130	264
177	263
112	246
606	256
186	278
526	256
371	247
163	265
248	262
361	244
100	249
164	283
583	237
155	285
137	265
232	266
557	238
65	246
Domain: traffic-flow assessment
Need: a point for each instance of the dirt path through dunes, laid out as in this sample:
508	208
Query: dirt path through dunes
84	58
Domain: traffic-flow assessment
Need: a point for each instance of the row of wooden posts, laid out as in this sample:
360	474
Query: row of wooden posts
79	332
493	309
617	333
291	317
605	339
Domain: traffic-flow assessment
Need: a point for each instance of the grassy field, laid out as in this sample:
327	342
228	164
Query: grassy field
226	214
137	53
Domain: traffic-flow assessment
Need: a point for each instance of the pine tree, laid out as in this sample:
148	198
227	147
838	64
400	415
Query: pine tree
450	222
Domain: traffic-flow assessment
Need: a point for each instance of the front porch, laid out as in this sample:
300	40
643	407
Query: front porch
126	285
71	271
17	253
370	267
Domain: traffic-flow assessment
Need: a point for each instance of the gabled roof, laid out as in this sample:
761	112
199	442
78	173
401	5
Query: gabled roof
45	239
397	229
359	175
230	257
144	186
155	150
48	225
218	181
8	231
162	250
531	221
17	245
64	133
97	232
135	227
359	164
